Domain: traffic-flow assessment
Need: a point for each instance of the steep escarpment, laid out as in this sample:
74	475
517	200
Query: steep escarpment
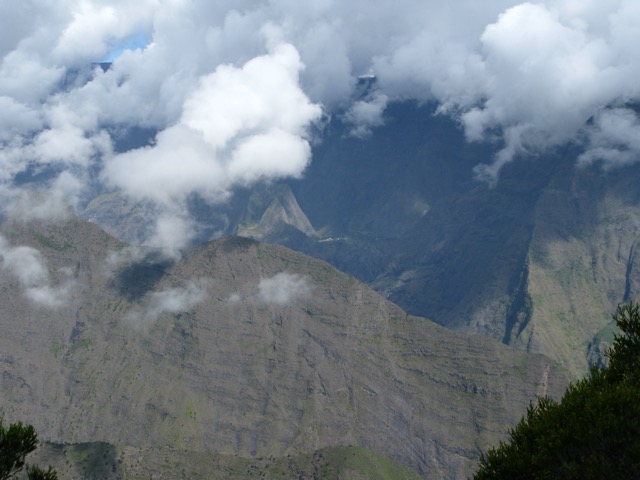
244	348
537	261
582	262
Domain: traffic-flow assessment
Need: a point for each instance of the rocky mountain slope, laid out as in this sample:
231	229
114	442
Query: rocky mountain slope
538	261
241	348
103	461
581	263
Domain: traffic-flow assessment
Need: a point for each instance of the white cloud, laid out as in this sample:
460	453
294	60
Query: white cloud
179	163
274	153
94	28
234	298
49	297
128	255
172	301
67	144
363	115
283	288
27	265
50	207
16	118
614	139
549	69
239	125
172	232
25	78
233	86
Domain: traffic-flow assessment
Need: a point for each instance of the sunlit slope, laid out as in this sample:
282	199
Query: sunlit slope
244	348
103	461
582	263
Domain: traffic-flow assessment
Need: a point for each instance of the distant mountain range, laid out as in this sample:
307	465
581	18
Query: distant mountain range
538	262
241	348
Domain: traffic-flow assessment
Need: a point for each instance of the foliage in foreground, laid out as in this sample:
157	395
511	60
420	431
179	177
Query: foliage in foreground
16	442
592	433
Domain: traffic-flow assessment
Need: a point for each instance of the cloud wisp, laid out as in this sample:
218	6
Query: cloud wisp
28	266
283	288
170	301
239	125
233	88
614	138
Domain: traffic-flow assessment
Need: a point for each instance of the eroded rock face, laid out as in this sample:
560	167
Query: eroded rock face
582	263
272	209
538	261
244	348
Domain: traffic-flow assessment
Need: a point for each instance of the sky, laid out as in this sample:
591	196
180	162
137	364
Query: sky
235	88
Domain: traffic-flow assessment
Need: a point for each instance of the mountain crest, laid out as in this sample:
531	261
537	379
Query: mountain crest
270	209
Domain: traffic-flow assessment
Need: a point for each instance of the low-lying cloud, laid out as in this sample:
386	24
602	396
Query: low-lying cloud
366	114
170	301
234	88
283	288
614	138
28	266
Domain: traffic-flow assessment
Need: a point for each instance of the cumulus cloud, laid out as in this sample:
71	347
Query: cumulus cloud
51	207
49	297
614	139
172	301
127	255
232	87
549	68
238	125
28	266
98	27
283	288
366	114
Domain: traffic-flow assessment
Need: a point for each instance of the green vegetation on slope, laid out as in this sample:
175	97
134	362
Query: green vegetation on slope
592	433
104	461
16	442
336	365
582	263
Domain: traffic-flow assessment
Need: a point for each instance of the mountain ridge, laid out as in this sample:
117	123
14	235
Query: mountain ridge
266	351
401	211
